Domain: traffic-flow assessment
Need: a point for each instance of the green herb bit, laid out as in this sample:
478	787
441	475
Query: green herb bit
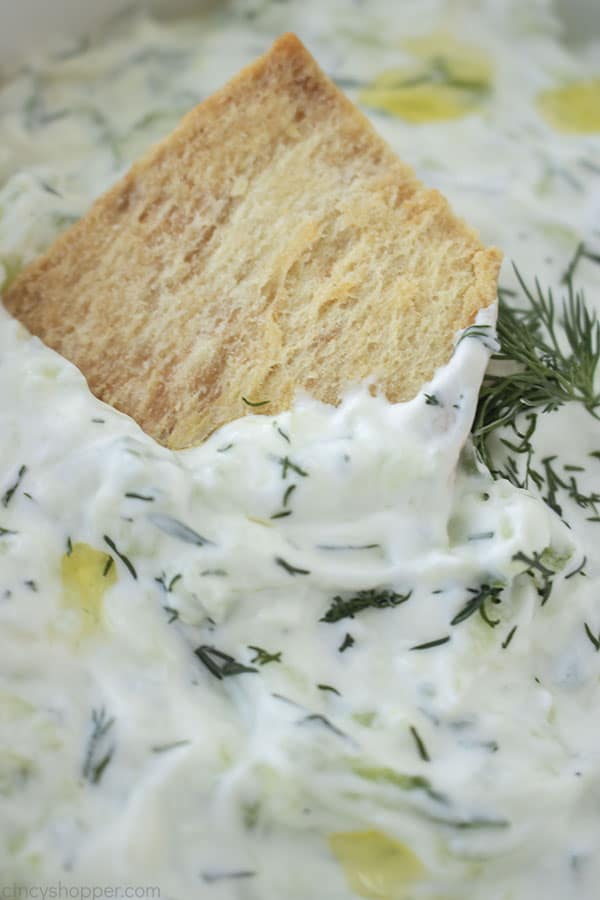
483	333
385	775
509	637
213	877
173	614
429	645
220	664
323	720
470	824
481	595
107	566
280	431
287	465
288	493
263	657
421	748
131	495
225	448
578	570
31	584
256	403
432	400
328	687
5	532
595	640
348	608
536	569
347	642
69	546
581	252
283	514
335	547
126	562
163	748
95	761
98	421
289	568
11	490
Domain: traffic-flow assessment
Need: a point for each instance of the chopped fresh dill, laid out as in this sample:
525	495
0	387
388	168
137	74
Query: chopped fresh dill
8	495
289	568
509	637
255	403
430	644
541	574
173	614
287	465
578	570
477	603
168	585
263	657
288	493
124	559
98	421
432	400
31	584
4	532
328	687
323	720
96	758
595	640
421	748
225	448
107	566
281	432
69	546
214	877
349	607
346	643
133	496
163	748
482	333
220	664
481	536
282	514
348	546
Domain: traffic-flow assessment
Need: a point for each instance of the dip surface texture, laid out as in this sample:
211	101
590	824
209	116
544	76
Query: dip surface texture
325	654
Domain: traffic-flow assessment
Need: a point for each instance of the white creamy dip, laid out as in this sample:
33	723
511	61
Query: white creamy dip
324	654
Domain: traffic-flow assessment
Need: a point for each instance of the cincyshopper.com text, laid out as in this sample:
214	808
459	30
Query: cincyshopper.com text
60	891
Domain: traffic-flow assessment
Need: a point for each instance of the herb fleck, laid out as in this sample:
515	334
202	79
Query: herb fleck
220	664
263	657
126	562
373	598
11	490
291	570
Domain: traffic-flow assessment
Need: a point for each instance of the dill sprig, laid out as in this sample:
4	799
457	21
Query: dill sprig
220	664
593	639
8	495
348	607
96	761
124	559
262	656
421	748
485	593
552	348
